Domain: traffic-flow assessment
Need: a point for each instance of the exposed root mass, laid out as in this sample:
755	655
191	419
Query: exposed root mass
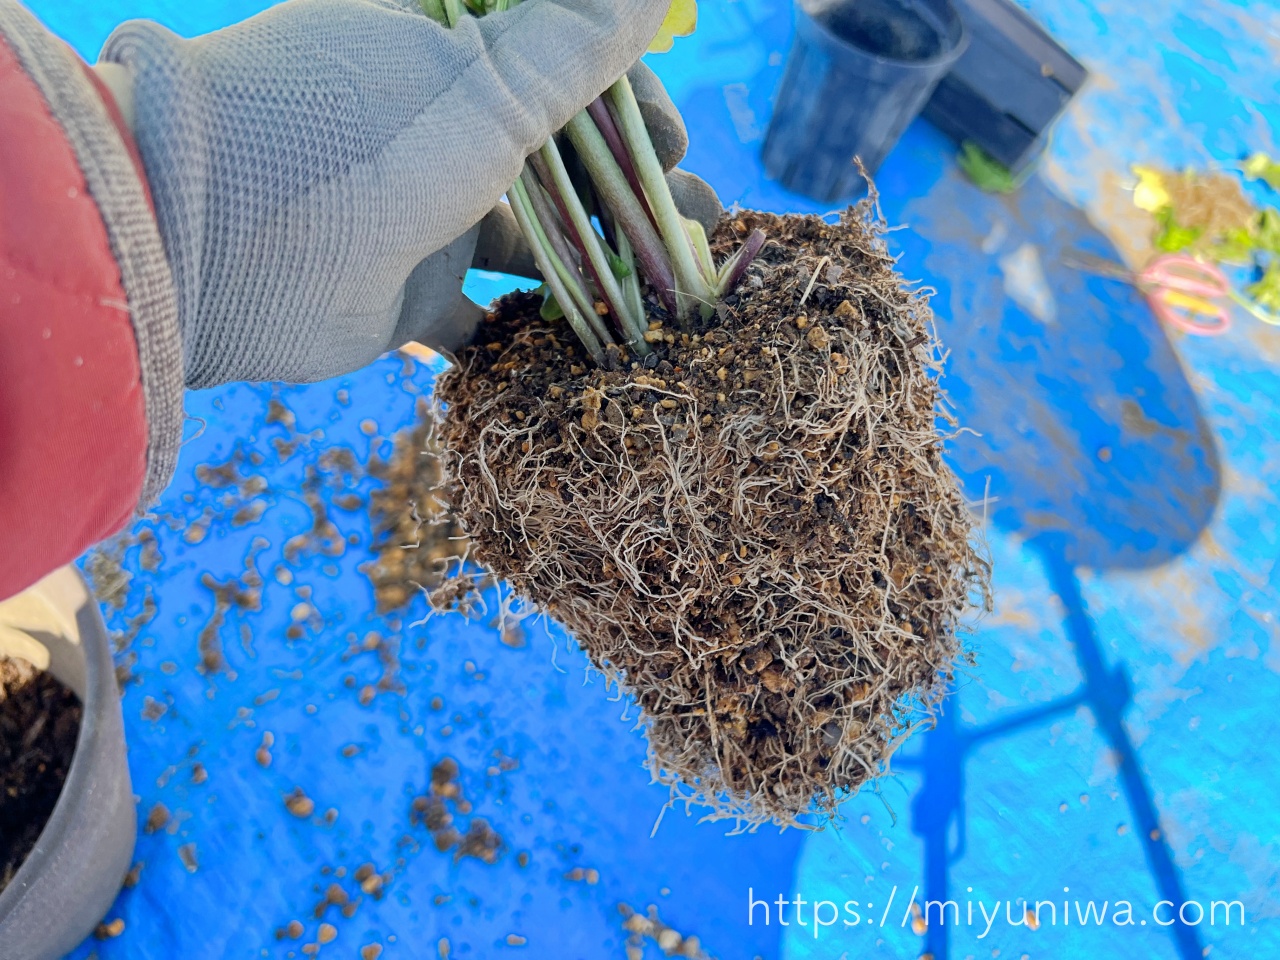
753	531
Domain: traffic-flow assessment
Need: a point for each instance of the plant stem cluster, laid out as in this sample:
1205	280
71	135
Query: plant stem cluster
595	238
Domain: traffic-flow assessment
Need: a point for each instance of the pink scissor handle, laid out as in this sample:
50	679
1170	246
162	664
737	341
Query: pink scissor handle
1180	288
1175	271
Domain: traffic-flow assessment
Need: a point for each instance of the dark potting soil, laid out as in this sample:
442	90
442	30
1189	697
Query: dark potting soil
885	28
39	724
751	529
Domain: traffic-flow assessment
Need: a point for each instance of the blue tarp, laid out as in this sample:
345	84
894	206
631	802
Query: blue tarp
1114	738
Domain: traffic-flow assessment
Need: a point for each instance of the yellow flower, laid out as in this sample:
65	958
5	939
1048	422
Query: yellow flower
680	22
1150	194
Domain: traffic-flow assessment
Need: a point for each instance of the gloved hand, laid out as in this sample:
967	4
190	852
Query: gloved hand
320	172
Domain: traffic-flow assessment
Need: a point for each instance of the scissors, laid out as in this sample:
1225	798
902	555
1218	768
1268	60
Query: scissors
1183	292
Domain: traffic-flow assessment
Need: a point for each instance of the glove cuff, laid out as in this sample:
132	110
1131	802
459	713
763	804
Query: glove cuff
119	190
166	106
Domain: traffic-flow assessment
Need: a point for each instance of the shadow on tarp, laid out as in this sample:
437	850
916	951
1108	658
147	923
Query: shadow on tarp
1087	426
1089	442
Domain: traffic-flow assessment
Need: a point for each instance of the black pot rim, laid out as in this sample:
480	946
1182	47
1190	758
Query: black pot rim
951	49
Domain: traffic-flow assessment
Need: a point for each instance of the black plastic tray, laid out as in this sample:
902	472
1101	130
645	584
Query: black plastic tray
1008	87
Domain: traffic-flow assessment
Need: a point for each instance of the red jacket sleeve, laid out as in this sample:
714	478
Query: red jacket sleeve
74	435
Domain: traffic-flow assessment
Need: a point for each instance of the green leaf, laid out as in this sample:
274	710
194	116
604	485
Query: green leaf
1172	236
551	309
1262	167
435	10
698	237
1266	232
986	172
1235	246
1266	292
619	266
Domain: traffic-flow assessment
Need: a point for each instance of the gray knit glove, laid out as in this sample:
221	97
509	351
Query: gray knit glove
320	172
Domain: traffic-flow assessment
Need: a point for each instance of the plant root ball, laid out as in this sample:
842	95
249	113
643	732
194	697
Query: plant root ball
752	530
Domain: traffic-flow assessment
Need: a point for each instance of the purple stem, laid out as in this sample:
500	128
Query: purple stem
736	268
586	264
612	187
548	182
553	227
602	114
648	249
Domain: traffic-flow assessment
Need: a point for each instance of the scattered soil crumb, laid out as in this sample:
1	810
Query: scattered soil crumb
388	651
109	931
416	539
124	671
189	856
263	754
107	575
39	723
372	883
132	878
644	928
371	951
334	472
299	804
110	583
277	412
243	593
481	842
334	896
437	810
327	933
251	512
157	819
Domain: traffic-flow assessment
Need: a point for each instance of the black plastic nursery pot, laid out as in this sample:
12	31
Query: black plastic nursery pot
859	72
1009	87
71	877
